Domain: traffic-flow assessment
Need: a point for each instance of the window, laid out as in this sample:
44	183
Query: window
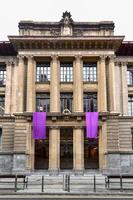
66	101
43	102
130	105
89	72
132	136
66	70
90	102
130	76
43	72
2	104
2	74
0	136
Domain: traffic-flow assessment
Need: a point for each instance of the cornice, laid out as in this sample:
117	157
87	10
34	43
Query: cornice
84	42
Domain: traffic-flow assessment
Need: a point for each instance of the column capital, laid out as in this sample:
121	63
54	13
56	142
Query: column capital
10	63
54	57
102	58
78	58
112	58
124	63
21	58
117	63
30	58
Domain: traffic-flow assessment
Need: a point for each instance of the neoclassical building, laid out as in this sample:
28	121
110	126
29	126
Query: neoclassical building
65	69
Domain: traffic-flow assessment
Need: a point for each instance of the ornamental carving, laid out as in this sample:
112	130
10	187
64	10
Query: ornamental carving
66	24
66	19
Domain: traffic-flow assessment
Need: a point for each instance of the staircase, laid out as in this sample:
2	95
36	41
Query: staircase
65	181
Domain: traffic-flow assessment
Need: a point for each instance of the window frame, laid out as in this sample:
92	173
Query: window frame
130	75
43	67
41	97
66	72
65	101
90	71
1	135
90	102
2	104
130	105
3	74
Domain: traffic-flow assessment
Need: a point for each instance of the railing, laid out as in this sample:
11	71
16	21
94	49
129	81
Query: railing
65	183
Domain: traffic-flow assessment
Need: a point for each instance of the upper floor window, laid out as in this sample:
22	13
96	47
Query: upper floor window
43	102
2	74
130	105
2	104
132	137
90	102
0	137
130	76
66	72
66	101
89	72
43	72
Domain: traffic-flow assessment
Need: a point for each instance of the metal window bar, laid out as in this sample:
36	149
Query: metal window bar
43	72
89	72
66	72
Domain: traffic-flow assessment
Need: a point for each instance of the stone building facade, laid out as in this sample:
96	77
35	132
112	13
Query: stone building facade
66	68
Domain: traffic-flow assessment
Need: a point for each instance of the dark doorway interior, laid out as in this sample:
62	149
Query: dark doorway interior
42	153
66	148
91	156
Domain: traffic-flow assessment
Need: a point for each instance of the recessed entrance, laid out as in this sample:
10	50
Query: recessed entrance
42	153
66	148
91	158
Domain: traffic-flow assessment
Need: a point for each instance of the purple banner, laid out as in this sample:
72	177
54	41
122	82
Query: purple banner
91	124
39	125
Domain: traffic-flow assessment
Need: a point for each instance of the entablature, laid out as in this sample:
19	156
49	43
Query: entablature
73	43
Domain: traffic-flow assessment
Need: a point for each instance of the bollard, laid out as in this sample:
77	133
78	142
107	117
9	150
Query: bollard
64	182
42	183
94	183
68	183
15	184
26	182
121	187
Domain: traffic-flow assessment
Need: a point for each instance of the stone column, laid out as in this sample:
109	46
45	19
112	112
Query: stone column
102	91
124	87
112	98
100	147
118	87
54	133
20	92
54	149
104	145
15	79
78	136
102	142
30	103
78	149
55	85
8	92
78	85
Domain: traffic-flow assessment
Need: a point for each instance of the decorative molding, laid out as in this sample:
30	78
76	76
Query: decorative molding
78	58
111	58
21	58
102	58
54	58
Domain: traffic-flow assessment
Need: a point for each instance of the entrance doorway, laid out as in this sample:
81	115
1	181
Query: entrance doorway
42	153
91	155
66	148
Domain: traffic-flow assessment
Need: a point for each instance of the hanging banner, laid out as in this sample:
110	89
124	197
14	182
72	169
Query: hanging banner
39	125
91	124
